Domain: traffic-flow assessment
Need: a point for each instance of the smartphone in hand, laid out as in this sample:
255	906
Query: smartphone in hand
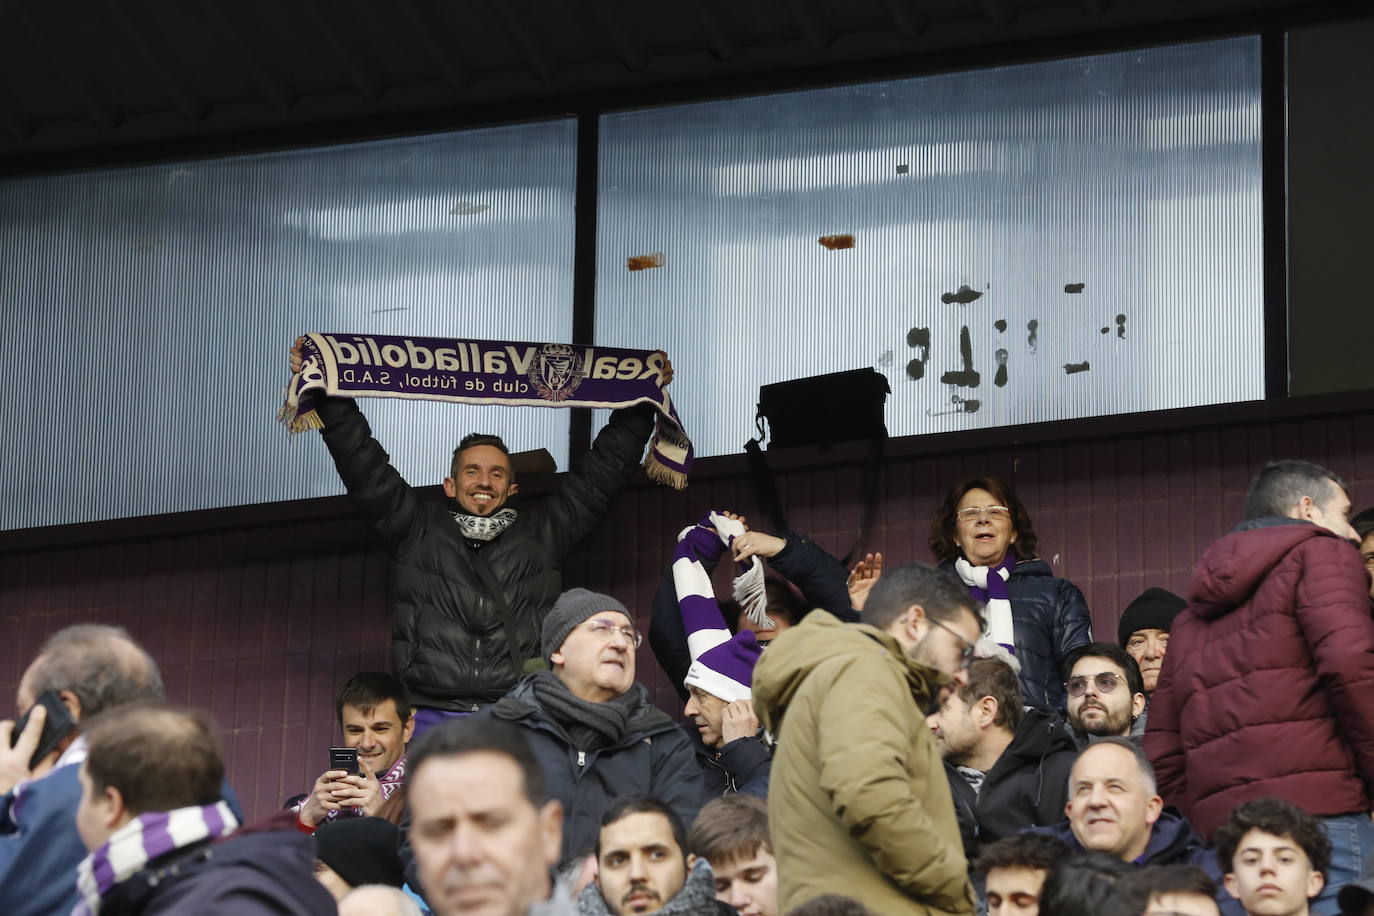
58	725
344	758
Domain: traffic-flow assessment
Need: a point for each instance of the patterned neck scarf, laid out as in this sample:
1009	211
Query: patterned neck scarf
988	584
484	527
145	838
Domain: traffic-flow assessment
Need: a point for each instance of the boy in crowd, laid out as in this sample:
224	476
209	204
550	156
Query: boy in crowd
1014	872
731	833
1275	856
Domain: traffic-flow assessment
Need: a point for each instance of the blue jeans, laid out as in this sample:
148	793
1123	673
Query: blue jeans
1352	842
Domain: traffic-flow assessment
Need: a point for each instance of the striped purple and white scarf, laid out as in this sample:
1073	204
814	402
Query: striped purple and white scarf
145	838
490	372
988	584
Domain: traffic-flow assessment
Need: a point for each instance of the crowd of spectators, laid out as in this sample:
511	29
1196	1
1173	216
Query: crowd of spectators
924	739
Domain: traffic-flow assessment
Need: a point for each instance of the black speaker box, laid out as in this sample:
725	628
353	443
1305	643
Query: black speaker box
824	409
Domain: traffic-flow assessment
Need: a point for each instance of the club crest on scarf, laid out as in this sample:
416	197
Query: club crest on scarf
557	372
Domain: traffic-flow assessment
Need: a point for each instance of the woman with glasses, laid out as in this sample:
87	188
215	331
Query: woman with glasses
983	534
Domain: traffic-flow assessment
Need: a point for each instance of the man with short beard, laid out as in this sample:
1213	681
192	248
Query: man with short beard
643	867
592	726
1105	692
1007	766
858	799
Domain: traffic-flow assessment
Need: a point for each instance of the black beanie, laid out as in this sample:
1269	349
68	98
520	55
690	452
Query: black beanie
361	850
1155	608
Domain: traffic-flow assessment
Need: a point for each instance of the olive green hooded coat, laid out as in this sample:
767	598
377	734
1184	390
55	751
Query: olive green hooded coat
858	804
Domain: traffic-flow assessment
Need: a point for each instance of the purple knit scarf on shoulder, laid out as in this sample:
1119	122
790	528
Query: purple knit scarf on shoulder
145	838
490	372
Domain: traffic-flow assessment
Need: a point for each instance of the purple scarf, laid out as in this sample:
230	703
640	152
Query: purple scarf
490	372
145	838
989	585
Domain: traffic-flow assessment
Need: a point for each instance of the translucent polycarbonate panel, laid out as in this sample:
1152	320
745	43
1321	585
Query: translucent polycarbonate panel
149	311
1063	239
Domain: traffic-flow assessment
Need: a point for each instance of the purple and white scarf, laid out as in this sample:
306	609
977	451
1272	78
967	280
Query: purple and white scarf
490	372
722	664
145	838
988	584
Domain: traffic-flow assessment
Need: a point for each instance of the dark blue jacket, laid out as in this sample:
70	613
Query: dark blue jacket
654	757
740	766
40	848
265	869
1051	619
1172	842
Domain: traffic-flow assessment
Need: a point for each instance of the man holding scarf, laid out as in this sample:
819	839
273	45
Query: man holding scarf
471	581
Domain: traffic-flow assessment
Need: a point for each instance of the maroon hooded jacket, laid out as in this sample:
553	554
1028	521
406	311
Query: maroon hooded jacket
1268	684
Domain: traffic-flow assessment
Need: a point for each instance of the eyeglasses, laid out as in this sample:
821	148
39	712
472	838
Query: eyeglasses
966	652
973	513
1105	682
604	629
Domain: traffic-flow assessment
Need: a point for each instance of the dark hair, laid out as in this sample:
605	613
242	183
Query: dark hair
1278	818
101	664
1133	892
458	737
830	905
730	827
992	677
1082	885
1114	654
1280	484
158	757
943	523
939	593
639	803
474	439
1147	769
1024	850
367	690
1363	523
783	600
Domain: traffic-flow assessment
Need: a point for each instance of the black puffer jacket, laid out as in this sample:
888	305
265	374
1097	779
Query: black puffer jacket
1051	619
448	643
653	758
1026	787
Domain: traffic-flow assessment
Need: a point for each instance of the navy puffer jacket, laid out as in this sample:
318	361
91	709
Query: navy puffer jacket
1051	619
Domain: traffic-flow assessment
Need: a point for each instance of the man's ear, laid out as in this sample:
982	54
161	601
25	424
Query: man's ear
1230	881
987	712
1137	705
551	831
72	702
1315	882
113	812
916	624
513	489
1153	807
691	860
556	659
450	488
408	729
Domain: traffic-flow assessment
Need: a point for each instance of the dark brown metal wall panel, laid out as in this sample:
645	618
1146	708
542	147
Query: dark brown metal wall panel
260	624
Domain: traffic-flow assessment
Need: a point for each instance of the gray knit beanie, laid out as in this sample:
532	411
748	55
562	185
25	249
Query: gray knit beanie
573	607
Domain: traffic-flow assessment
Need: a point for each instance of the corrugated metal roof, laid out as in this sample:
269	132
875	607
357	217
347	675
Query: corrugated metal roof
76	75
